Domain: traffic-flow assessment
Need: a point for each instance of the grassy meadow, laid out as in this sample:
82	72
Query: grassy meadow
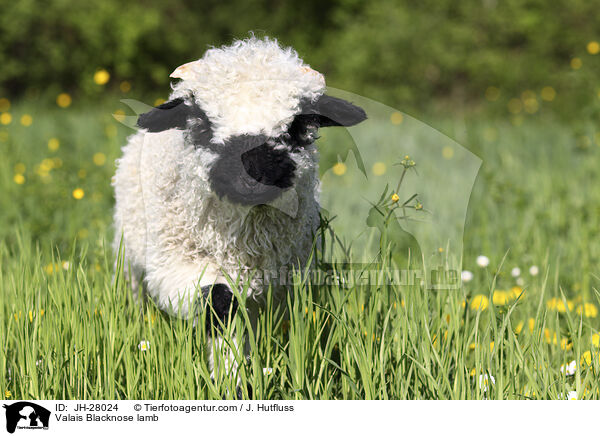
69	331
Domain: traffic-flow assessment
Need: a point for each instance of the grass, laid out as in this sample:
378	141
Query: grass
71	331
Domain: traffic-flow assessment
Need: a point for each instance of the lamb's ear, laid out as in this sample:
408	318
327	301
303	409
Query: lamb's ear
334	111
173	114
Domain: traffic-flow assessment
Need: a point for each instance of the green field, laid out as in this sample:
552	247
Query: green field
72	332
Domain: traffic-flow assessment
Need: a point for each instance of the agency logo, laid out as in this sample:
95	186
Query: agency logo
26	415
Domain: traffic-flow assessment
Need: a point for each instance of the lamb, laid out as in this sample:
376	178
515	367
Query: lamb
222	180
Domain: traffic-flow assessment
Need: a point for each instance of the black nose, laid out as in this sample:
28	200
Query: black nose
269	166
250	171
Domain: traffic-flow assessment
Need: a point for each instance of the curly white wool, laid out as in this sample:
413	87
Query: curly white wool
250	87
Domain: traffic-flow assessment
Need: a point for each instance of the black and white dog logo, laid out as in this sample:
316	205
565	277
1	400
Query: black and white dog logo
26	415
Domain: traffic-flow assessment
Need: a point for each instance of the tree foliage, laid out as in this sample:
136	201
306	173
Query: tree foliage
403	52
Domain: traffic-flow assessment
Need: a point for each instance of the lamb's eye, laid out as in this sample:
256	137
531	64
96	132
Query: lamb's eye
303	130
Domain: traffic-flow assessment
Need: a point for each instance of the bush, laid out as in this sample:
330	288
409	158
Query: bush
405	53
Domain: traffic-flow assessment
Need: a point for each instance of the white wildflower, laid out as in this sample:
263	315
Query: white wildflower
484	381
483	261
520	281
572	395
144	346
267	371
534	270
516	271
569	368
66	265
466	276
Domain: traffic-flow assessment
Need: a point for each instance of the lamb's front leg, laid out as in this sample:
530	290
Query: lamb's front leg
220	306
183	290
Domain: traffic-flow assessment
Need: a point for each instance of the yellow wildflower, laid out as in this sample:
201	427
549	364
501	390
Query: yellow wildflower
51	268
125	86
396	118
53	144
586	358
339	169
552	338
26	120
559	305
501	298
565	344
588	310
119	115
519	327
593	47
379	168
531	105
548	93
101	77
99	159
517	291
480	302
447	152
395	198
5	118
63	100
78	194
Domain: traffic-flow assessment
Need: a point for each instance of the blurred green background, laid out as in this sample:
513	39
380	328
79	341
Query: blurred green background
512	57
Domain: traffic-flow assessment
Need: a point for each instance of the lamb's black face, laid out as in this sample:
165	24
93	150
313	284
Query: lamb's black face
252	169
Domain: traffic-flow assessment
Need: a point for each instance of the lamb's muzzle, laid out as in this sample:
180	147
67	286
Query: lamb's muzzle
250	171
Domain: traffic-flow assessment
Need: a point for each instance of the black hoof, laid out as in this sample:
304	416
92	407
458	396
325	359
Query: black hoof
218	302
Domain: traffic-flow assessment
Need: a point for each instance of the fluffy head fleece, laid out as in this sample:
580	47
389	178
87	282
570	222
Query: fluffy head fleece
222	180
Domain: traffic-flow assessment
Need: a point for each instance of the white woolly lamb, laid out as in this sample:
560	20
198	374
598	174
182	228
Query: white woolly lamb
222	180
